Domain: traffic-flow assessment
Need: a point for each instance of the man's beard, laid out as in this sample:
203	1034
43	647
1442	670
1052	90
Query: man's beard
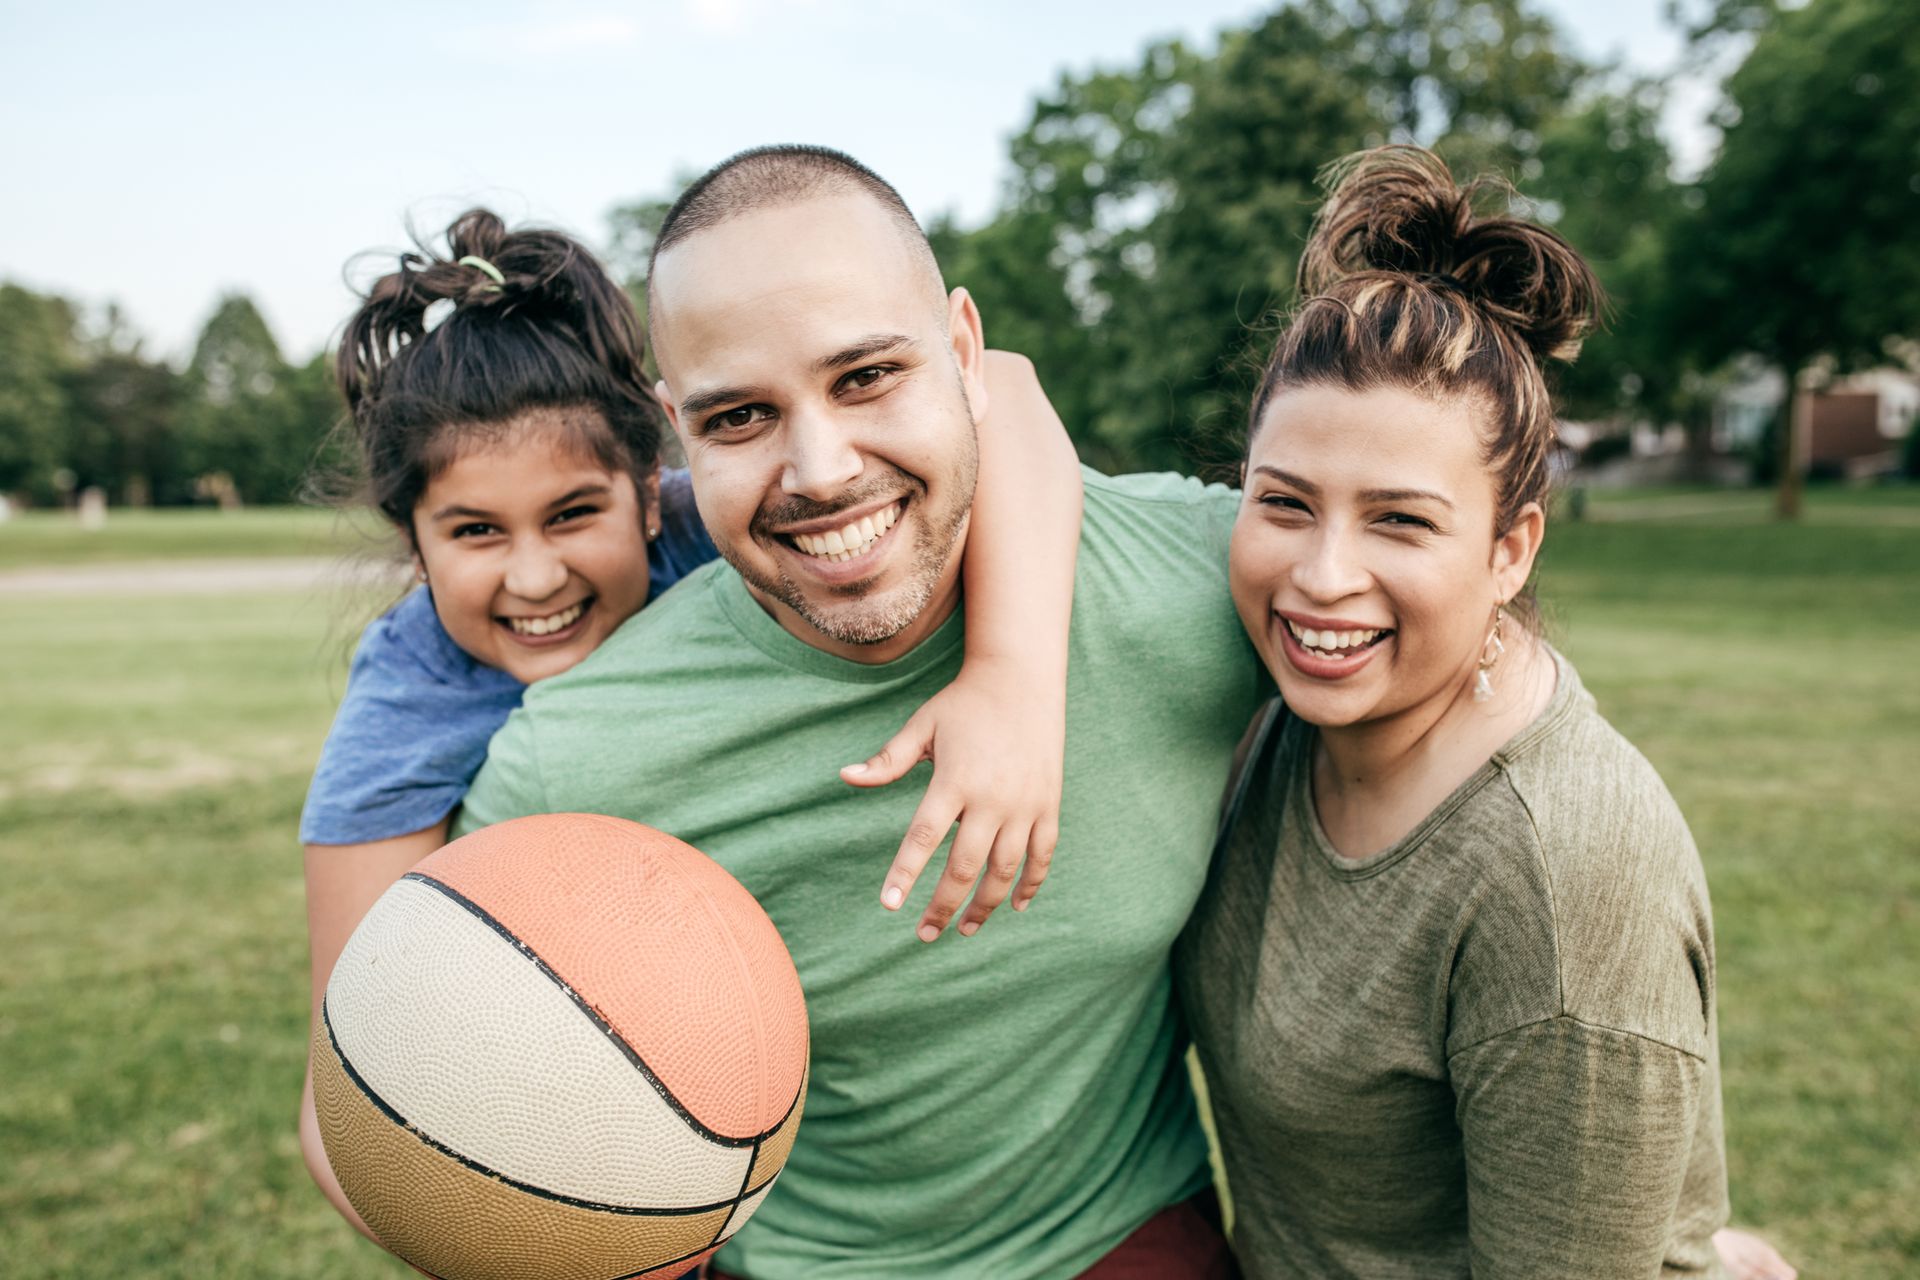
866	619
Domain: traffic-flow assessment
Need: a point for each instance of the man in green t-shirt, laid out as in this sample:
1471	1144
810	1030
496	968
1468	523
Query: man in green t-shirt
1011	1106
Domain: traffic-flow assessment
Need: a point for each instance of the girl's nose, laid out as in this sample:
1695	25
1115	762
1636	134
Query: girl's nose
535	570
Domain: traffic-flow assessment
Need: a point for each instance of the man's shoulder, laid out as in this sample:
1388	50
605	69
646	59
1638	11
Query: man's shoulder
686	624
1146	491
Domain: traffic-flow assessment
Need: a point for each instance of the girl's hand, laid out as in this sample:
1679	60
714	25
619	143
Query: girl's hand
996	742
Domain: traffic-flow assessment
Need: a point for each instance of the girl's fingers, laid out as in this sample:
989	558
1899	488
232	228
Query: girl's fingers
965	861
929	827
1040	846
891	762
1003	868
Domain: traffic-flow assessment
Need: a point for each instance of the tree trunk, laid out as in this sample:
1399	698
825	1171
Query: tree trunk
1795	435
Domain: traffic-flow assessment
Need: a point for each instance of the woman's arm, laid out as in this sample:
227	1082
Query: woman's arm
343	882
997	734
1588	1150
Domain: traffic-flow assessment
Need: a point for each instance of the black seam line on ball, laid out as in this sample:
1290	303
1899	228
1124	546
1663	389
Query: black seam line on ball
654	1268
727	1221
558	1197
606	1029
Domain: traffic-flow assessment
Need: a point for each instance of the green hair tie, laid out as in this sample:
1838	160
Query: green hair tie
486	268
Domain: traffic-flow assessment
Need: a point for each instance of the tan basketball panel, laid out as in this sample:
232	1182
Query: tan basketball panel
457	1223
773	1152
461	1033
745	1211
645	928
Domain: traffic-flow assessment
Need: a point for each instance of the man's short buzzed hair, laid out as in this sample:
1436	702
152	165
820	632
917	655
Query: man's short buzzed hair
765	177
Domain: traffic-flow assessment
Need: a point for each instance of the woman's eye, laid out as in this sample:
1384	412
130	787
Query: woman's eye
1282	502
1402	520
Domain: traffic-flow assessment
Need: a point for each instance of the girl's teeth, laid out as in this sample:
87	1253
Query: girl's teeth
547	626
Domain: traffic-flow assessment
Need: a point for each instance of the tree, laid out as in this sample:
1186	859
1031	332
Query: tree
249	415
38	350
1804	244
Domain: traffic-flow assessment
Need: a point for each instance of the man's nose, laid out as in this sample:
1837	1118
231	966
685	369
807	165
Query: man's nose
821	458
535	569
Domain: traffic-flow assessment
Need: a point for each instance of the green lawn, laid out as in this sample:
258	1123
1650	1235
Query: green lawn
42	538
153	751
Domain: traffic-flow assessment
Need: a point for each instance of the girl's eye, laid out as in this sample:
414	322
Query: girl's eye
574	513
473	530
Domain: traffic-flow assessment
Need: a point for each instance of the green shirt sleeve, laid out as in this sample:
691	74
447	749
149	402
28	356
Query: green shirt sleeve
1577	1142
509	784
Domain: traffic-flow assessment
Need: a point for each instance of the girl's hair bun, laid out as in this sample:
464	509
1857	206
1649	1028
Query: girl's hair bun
1396	210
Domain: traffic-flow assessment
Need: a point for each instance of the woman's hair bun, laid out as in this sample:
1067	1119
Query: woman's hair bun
1396	210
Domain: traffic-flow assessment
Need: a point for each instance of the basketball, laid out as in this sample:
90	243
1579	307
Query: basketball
563	1046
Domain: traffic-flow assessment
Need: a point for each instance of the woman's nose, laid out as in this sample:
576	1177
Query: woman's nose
1330	571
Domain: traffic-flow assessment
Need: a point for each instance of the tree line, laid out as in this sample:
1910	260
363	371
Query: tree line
1144	245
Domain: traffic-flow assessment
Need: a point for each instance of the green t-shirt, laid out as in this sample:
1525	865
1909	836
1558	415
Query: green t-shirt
1486	1050
1007	1105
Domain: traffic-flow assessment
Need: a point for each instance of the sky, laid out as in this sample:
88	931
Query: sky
157	156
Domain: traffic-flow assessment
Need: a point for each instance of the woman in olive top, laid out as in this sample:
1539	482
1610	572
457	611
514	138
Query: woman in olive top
1452	978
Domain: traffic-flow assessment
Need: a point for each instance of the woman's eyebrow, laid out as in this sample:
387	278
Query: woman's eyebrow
1404	495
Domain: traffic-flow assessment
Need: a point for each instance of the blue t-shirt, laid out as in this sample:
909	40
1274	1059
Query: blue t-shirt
418	713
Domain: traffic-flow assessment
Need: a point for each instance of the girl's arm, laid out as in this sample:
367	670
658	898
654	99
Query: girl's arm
996	735
343	882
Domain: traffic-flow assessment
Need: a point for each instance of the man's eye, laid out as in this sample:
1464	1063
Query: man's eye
733	419
861	379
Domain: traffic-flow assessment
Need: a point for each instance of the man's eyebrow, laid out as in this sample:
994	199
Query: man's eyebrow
697	405
867	348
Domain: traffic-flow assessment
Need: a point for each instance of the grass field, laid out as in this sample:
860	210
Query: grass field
153	750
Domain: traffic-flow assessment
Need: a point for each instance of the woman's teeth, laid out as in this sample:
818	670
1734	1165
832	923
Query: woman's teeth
551	623
851	541
1333	644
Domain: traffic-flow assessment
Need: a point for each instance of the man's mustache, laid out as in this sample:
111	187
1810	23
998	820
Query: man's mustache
796	508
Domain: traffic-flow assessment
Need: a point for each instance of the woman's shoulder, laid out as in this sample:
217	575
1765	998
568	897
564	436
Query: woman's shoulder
1619	877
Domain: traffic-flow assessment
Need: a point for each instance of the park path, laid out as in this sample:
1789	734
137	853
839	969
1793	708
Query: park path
288	574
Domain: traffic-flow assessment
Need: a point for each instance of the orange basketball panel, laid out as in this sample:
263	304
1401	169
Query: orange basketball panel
644	928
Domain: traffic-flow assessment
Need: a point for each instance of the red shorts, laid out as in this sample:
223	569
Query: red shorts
1181	1242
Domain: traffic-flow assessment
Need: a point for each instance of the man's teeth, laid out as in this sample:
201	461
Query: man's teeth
1329	644
850	541
551	623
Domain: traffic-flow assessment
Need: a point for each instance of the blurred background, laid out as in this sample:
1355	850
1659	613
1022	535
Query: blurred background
1125	187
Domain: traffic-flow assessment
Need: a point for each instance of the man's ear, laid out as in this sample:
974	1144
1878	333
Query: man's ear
969	349
665	397
1515	551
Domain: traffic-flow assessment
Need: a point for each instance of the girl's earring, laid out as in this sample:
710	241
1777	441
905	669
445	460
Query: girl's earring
1489	657
653	531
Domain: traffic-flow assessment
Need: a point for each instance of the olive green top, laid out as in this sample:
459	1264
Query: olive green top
1487	1050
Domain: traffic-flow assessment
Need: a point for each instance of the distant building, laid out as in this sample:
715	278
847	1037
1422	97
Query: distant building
1856	422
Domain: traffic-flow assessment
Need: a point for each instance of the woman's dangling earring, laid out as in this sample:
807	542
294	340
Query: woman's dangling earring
1489	657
